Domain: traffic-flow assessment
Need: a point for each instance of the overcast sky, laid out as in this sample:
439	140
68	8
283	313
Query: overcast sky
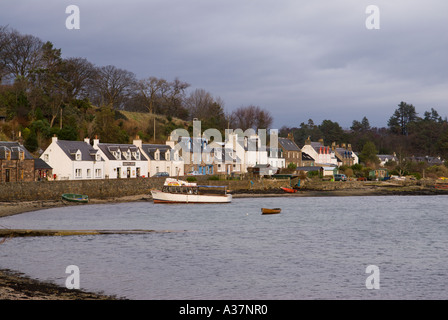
298	59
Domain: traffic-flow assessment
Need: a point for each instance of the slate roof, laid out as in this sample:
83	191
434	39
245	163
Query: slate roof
306	157
150	150
71	147
41	164
108	148
14	148
288	144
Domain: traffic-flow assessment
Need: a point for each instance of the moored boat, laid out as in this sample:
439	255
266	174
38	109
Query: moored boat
289	190
178	191
270	211
72	197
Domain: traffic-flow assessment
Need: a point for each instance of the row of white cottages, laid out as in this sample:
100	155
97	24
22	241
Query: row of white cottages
72	160
85	160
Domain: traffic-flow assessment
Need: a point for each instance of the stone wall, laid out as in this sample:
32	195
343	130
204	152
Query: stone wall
112	188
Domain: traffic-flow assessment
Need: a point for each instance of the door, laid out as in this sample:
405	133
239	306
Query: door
118	172
129	173
8	174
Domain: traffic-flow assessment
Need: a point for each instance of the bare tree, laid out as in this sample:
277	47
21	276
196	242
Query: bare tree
19	54
80	74
113	85
203	106
153	90
251	117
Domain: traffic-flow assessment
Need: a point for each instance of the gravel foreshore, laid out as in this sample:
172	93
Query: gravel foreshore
16	286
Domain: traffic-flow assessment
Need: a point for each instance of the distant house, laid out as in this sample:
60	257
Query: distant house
17	164
275	158
291	151
344	155
307	160
73	160
378	174
122	160
322	155
431	161
323	171
263	170
385	158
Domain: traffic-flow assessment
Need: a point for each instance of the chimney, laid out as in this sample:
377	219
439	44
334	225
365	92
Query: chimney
137	142
321	141
308	141
96	141
87	140
291	136
349	147
333	146
54	138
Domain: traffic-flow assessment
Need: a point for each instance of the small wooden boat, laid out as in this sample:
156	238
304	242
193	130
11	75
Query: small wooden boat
72	197
289	190
270	211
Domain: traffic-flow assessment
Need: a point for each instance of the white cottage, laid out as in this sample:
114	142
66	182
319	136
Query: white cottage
161	158
322	155
74	160
122	160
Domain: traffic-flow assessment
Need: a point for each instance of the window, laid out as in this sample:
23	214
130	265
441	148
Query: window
89	173
46	157
97	173
78	156
156	155
97	157
78	173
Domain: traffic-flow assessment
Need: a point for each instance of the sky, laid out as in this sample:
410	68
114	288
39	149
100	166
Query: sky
297	59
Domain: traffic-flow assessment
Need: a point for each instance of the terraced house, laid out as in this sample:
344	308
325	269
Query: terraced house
122	160
73	160
17	164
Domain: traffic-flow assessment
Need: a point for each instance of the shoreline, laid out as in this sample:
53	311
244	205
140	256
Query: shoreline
18	207
17	286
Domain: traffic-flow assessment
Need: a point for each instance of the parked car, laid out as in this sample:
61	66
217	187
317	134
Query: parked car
162	174
193	173
340	177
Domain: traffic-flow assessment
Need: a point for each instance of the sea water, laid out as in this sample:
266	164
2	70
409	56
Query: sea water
316	248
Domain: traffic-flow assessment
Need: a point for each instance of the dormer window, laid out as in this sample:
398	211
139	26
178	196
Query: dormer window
157	155
97	157
118	155
137	155
78	155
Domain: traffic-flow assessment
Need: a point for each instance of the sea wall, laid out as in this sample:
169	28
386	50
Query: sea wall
111	188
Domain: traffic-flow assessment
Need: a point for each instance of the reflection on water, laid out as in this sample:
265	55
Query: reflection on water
317	248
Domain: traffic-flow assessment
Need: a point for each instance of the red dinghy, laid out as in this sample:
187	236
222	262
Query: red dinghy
289	190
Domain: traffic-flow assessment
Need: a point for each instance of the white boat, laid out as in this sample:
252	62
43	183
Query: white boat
178	191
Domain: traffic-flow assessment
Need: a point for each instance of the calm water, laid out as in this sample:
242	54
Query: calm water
317	248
